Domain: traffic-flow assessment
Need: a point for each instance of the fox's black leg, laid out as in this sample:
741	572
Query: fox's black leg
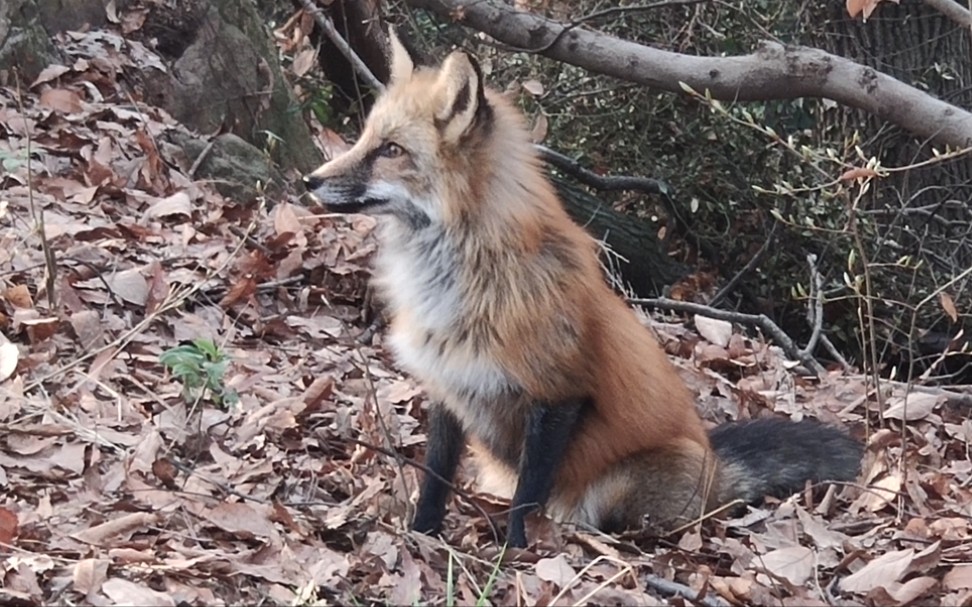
548	430
444	447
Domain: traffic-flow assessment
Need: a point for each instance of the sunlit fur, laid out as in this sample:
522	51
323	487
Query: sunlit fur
498	301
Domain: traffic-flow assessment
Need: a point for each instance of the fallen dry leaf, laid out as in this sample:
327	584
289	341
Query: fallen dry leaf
19	296
9	356
304	61
89	574
176	204
917	405
881	572
121	527
129	285
906	593
124	592
49	73
556	570
958	577
8	526
534	87
794	563
714	330
237	517
62	100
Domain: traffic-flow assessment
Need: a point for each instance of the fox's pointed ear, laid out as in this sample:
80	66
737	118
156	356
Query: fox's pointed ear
461	95
401	65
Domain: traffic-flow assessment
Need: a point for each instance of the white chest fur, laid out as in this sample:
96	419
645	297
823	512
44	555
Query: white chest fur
420	280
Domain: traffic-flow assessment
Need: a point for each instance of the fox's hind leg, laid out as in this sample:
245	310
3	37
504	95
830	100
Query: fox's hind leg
548	430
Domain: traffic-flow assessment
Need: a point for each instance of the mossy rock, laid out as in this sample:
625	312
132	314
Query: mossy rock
236	169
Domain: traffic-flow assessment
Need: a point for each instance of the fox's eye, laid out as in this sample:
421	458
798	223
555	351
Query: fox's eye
391	150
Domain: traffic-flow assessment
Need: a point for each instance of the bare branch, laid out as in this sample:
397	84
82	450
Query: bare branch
773	71
814	306
342	45
750	265
953	10
573	168
755	320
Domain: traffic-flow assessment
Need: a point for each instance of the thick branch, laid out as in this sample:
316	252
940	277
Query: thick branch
953	10
616	183
772	72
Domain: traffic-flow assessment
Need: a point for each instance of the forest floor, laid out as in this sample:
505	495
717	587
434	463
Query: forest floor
118	487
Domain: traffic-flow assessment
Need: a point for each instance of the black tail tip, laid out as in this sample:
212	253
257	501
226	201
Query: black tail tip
781	455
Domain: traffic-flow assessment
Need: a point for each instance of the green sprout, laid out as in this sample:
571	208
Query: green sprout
201	367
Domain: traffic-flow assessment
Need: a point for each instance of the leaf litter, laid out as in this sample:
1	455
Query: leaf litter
118	490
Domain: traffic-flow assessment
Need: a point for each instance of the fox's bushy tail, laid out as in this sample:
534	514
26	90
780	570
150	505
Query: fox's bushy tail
776	456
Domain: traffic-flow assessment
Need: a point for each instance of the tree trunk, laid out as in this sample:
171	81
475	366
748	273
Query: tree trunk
645	266
922	212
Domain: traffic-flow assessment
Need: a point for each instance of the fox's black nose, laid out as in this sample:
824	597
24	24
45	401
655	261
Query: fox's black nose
312	183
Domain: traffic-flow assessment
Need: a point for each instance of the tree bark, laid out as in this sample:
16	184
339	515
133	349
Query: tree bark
772	72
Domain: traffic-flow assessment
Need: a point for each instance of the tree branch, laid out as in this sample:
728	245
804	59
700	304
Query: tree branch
773	71
573	168
325	23
953	10
758	320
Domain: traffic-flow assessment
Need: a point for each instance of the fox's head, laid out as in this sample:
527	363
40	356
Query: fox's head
418	147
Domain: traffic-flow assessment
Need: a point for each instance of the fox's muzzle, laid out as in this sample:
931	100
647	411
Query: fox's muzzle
340	197
354	190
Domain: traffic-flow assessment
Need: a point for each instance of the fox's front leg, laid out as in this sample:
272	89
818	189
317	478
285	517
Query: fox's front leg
443	449
548	430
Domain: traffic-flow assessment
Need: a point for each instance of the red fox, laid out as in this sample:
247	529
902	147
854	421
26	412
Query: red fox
500	309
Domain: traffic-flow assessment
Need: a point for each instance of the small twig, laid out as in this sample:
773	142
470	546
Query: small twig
750	265
815	316
834	353
98	274
360	67
814	306
614	183
50	261
624	569
758	320
386	432
200	158
705	516
865	306
191	471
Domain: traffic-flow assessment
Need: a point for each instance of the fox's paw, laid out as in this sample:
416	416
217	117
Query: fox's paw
427	522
